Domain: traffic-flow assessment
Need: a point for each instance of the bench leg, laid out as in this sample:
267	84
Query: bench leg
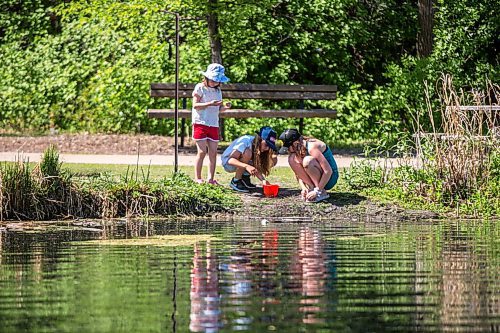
183	131
183	122
301	125
222	131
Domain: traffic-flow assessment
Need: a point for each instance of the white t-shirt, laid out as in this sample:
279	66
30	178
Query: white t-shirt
208	116
240	144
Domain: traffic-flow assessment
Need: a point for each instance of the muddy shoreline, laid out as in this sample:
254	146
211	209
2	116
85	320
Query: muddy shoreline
287	207
341	205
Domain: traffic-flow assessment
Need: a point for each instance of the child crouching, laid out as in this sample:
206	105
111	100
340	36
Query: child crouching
251	155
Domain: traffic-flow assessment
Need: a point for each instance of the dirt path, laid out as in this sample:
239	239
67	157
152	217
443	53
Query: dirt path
111	149
118	144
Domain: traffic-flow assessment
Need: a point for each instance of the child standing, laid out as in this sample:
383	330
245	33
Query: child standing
251	156
207	103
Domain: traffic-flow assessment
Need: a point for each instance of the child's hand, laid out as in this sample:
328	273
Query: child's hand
216	102
227	105
266	182
311	196
251	170
303	194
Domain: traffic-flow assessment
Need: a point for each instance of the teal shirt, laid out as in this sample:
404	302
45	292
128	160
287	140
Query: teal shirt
331	160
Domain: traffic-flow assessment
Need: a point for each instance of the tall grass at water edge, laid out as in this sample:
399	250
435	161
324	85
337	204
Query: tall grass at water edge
48	191
458	156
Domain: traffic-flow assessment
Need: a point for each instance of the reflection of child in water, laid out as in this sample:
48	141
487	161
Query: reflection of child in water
309	271
238	285
267	267
205	303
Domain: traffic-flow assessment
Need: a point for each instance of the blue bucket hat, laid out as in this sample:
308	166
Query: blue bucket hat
215	72
269	135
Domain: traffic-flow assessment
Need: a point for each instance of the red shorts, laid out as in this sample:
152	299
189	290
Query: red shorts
203	132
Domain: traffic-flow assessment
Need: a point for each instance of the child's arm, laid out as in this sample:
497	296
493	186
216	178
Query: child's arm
197	105
234	160
304	189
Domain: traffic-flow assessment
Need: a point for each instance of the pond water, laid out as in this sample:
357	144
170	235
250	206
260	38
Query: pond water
255	276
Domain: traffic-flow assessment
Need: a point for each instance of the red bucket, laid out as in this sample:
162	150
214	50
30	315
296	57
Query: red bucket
271	190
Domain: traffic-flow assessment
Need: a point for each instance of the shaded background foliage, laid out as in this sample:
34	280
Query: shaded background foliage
87	65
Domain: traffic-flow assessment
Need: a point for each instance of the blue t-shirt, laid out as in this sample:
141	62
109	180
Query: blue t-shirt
240	144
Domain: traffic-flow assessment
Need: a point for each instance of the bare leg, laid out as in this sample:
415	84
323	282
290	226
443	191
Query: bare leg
245	158
313	169
202	147
212	156
298	168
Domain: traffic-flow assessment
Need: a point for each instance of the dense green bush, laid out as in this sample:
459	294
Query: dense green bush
87	65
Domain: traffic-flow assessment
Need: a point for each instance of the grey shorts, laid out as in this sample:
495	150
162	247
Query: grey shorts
232	168
229	168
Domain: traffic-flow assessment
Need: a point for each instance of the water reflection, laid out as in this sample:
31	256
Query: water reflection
283	277
238	283
268	269
254	287
205	302
308	271
464	284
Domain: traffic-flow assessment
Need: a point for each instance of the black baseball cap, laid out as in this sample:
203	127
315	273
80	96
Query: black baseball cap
289	136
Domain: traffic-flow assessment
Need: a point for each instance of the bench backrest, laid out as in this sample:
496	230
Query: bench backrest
253	91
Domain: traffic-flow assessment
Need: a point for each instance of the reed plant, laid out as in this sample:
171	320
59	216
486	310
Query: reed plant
47	191
462	147
18	191
458	155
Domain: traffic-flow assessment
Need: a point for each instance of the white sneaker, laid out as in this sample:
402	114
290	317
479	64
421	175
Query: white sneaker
322	196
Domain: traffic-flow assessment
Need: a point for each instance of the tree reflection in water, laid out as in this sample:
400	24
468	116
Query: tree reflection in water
465	296
205	302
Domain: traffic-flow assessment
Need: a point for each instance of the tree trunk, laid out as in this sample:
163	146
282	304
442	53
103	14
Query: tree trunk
215	47
213	32
426	20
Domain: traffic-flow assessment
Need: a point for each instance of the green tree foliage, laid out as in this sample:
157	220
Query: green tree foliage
466	46
27	20
87	65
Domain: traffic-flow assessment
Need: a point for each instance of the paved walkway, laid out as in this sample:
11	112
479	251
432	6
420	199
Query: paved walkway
342	161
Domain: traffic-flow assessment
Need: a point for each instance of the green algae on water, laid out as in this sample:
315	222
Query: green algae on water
161	241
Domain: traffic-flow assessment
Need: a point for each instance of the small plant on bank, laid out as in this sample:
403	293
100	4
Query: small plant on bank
364	174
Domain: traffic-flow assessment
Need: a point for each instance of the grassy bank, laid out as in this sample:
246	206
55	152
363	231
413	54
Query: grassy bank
459	158
48	191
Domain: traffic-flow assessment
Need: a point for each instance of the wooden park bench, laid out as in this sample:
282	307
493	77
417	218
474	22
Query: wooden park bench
272	92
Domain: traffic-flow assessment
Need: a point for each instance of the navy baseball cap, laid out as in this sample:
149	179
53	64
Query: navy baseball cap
269	135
